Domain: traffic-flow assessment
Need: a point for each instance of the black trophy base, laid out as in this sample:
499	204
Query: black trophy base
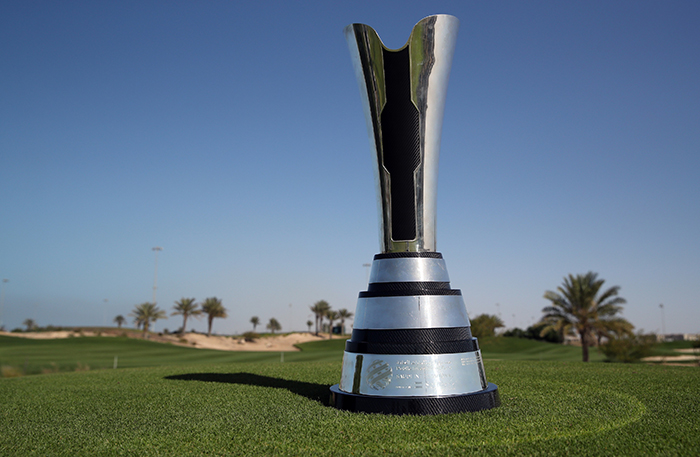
422	406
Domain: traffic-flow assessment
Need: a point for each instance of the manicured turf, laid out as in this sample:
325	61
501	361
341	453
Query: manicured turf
27	356
502	348
548	408
670	347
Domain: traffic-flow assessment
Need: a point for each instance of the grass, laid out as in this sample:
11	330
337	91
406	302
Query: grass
21	356
669	348
27	356
186	401
503	348
280	409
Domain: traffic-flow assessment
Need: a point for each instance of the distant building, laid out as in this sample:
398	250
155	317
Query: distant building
572	340
678	337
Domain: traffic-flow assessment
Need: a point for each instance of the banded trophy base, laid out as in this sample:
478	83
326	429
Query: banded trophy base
430	405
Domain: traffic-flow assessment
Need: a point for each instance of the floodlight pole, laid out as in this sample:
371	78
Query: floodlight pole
2	300
663	323
155	280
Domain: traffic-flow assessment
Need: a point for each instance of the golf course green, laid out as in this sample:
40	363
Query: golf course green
168	400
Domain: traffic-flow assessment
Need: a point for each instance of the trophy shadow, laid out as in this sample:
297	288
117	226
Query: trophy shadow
316	392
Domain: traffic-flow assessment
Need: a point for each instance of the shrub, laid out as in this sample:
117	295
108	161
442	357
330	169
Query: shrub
7	371
533	333
627	349
250	337
485	325
53	369
516	333
552	336
696	344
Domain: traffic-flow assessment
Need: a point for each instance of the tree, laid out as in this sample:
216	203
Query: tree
145	313
186	307
119	320
309	324
30	324
255	320
578	306
485	325
319	309
342	315
213	308
274	325
331	316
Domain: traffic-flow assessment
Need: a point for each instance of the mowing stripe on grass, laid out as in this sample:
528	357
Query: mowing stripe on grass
281	409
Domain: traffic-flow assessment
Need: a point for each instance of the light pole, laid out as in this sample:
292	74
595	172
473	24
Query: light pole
663	323
368	266
2	301
155	280
104	309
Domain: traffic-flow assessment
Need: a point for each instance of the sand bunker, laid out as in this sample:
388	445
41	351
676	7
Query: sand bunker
280	343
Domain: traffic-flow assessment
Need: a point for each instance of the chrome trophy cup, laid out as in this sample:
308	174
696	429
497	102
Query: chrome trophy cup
411	350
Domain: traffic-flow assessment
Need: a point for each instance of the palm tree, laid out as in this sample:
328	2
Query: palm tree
145	313
578	306
213	308
331	315
255	320
30	324
119	320
319	309
309	324
273	325
186	307
342	315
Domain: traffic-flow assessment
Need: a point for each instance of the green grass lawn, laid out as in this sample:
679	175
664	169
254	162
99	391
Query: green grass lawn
273	408
503	348
185	401
670	347
27	356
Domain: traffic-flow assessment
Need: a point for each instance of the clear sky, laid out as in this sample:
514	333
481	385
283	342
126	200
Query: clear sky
232	135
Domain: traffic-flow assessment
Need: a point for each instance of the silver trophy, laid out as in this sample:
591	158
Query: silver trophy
411	350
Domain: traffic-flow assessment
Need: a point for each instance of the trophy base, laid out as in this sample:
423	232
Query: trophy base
429	405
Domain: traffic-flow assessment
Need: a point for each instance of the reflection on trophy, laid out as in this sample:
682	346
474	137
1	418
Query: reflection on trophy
411	350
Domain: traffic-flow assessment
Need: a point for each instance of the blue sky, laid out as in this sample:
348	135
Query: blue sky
232	135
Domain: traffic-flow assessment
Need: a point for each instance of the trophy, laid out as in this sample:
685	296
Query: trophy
411	350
